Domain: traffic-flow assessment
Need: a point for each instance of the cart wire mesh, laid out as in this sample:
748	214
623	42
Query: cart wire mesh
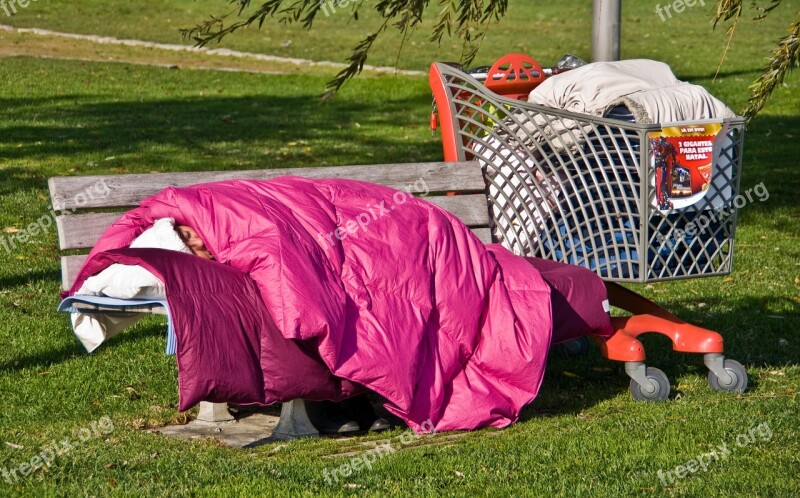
581	189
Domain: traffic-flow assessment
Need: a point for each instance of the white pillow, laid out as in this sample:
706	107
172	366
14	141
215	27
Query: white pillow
125	282
133	281
161	235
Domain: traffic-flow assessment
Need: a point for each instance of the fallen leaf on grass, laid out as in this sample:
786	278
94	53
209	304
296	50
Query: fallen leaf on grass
15	446
132	394
182	419
11	230
776	372
459	474
138	423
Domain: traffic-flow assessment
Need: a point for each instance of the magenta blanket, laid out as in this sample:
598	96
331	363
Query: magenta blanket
388	291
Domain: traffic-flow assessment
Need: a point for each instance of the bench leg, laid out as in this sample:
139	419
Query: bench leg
294	422
214	412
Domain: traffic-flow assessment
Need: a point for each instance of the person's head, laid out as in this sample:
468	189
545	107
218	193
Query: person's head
190	237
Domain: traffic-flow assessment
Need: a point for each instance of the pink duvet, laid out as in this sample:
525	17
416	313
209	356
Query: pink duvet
384	290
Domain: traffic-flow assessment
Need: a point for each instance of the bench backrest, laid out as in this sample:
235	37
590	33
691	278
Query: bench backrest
89	204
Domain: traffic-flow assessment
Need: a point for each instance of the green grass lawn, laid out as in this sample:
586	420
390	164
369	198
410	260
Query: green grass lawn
582	436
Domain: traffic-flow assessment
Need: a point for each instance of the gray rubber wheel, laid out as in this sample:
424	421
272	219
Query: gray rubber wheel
659	381
738	375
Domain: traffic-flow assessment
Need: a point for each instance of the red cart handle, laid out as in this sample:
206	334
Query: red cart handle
514	76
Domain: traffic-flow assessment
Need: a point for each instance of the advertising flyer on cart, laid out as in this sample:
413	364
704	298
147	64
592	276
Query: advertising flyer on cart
682	155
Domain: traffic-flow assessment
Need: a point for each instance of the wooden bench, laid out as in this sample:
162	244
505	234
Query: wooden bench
89	204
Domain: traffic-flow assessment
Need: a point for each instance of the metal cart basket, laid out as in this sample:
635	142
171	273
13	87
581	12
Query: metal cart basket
582	190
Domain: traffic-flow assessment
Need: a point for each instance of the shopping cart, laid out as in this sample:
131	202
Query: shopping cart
586	196
594	192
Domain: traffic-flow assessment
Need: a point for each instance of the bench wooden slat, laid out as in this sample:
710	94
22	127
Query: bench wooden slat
472	210
88	192
484	234
82	231
71	265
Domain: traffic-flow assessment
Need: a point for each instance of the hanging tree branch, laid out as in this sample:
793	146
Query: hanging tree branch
468	19
783	58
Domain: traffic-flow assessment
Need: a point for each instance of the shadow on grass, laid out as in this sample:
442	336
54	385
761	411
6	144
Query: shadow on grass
76	351
20	179
723	74
258	126
770	156
21	279
754	336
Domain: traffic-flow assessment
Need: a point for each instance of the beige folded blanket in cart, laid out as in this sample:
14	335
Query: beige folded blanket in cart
648	88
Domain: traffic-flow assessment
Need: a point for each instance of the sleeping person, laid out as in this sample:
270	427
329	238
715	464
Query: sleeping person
193	241
322	289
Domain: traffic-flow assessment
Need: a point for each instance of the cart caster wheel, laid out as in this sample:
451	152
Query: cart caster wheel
659	387
738	381
575	348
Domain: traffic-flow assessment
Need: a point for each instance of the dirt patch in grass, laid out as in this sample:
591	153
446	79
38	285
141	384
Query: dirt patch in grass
15	43
24	44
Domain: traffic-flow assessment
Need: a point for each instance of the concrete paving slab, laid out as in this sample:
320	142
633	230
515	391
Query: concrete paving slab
245	429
